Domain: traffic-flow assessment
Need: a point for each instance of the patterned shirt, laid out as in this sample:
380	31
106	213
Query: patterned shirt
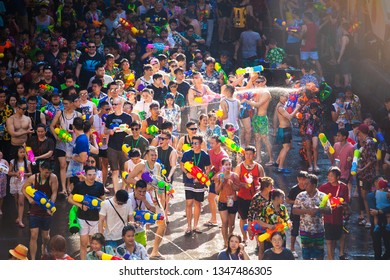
212	81
309	223
368	154
275	56
4	115
270	216
172	114
258	203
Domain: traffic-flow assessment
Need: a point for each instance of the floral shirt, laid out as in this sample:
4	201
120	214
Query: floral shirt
355	107
275	56
309	223
258	203
270	216
368	154
212	81
172	114
4	115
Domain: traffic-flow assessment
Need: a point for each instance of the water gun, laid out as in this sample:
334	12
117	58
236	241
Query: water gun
147	217
96	23
159	47
74	225
85	117
47	87
80	173
155	19
207	98
91	201
46	112
278	227
142	115
335	201
257	69
30	155
381	144
108	257
63	135
325	143
294	29
95	101
21	172
356	157
291	102
163	170
231	145
126	149
152	130
350	140
325	91
119	128
219	113
125	175
280	22
255	227
355	26
129	26
246	95
197	173
188	73
186	147
248	177
130	80
219	69
324	200
41	199
98	139
222	176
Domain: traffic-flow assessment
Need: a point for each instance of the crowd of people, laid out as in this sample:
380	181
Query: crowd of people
134	94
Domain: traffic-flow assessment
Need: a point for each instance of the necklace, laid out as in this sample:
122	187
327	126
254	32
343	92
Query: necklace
136	143
197	163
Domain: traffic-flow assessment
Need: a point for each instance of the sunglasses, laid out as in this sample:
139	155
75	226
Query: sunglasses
195	143
115	104
192	128
91	47
162	138
174	65
259	81
24	109
134	129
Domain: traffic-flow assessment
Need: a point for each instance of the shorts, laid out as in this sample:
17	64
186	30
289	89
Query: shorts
333	232
102	153
284	135
260	125
295	219
43	223
243	208
312	245
365	185
88	227
293	48
59	153
197	196
231	210
140	237
307	55
116	159
212	188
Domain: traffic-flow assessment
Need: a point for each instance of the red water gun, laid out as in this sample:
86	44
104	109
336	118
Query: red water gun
255	227
197	173
129	26
278	227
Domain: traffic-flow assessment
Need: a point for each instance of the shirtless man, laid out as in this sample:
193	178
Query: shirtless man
260	121
19	127
284	135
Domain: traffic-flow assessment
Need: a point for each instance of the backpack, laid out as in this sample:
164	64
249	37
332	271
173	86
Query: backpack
239	14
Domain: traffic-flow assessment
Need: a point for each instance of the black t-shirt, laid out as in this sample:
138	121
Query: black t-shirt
88	64
286	254
183	88
152	14
295	190
115	141
96	190
159	93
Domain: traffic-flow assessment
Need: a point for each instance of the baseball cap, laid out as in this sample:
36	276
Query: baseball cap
363	128
110	55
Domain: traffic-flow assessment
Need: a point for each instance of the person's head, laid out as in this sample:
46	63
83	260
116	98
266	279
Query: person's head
140	189
342	135
250	153
212	118
91	47
362	132
215	142
210	63
191	128
179	73
172	86
226	164
334	175
57	246
382	185
196	143
135	127
158	79
90	174
311	183
203	120
97	242
230	129
277	196
45	169
121	197
128	234
154	109
164	138
151	154
117	104
21	106
266	183
228	91
96	85
104	107
47	72
12	100
112	88
135	155
147	95
234	241
277	240
301	178
91	161
78	124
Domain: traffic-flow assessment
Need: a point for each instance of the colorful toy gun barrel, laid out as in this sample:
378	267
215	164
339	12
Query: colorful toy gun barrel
294	29
152	130
163	187
91	201
335	201
129	26
147	217
160	47
147	177
280	22
197	173
63	135
278	227
325	143
219	69
125	175
186	147
231	145
142	115
255	227
246	95
355	26
21	172
119	128
325	91
126	149
98	138
356	157
242	71
291	102
350	140
74	225
324	200
30	155
46	112
41	199
95	101
48	87
108	257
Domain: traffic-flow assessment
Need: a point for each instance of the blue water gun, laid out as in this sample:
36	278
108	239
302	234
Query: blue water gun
147	217
91	201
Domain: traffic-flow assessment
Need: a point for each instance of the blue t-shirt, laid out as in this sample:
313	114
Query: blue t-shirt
201	160
81	144
226	257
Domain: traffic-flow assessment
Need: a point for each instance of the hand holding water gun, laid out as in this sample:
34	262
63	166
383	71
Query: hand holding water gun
30	155
231	145
278	227
294	29
197	173
129	26
356	157
324	200
325	143
257	69
255	228
147	217
280	22
63	135
159	47
21	172
152	130
46	112
88	200
41	199
98	139
119	128
126	149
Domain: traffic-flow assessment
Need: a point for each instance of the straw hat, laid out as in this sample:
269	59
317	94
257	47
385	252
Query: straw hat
20	252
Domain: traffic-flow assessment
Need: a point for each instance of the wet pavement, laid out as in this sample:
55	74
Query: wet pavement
175	245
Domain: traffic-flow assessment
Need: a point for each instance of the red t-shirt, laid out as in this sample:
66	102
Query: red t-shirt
248	193
216	159
340	190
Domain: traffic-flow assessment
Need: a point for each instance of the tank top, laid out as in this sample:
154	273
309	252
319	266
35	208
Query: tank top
309	43
157	122
233	111
36	210
163	156
42	25
66	124
248	193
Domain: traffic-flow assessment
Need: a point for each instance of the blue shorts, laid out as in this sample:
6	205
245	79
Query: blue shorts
307	55
42	223
312	245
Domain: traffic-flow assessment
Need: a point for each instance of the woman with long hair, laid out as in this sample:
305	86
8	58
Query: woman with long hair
235	249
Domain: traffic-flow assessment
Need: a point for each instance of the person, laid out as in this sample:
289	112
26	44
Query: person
278	251
114	214
19	170
194	190
116	158
40	220
57	249
246	193
380	238
86	64
6	112
136	140
230	107
235	249
226	186
35	115
154	119
284	134
290	199
311	225
382	202
172	112
20	252
88	218
4	168
333	222
98	247
131	249
184	143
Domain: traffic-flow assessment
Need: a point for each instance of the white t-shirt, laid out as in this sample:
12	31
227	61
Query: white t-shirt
114	224
139	205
